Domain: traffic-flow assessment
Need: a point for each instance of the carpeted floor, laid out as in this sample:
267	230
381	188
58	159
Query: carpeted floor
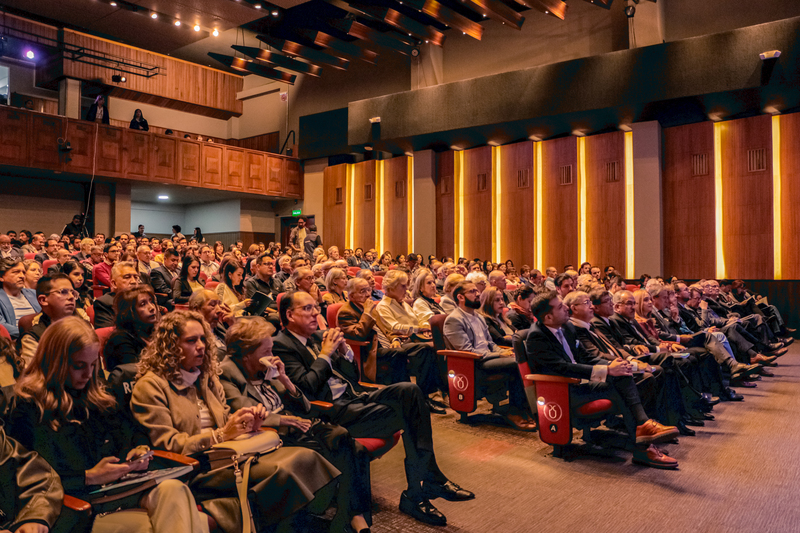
737	475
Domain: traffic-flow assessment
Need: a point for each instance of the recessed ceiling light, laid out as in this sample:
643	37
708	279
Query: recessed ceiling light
177	22
258	6
275	13
163	197
153	15
215	33
197	27
113	4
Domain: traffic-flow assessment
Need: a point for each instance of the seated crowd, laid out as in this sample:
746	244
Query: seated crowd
111	347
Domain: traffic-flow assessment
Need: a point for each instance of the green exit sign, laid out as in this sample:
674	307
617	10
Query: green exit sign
297	212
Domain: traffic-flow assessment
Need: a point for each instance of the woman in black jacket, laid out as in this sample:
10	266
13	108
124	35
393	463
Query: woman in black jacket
519	311
138	122
77	275
188	281
98	112
491	310
137	315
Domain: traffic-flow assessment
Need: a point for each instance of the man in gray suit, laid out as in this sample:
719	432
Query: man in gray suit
7	251
465	330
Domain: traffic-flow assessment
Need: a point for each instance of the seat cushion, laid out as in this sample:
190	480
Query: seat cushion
594	408
378	446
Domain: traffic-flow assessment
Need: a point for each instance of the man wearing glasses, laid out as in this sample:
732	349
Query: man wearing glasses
57	298
124	276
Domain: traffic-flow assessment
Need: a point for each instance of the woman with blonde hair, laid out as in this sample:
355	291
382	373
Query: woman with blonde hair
491	310
644	308
423	292
33	273
63	411
335	282
180	403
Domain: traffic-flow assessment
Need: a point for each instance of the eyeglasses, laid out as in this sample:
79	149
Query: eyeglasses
311	308
66	293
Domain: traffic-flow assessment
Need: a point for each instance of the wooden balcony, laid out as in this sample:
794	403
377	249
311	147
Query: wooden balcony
31	140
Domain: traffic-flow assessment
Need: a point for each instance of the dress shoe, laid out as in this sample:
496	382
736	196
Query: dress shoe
684	430
773	346
740	369
706	416
789	331
521	423
433	408
653	457
651	432
691	421
712	400
779	352
767	360
745	384
730	395
449	491
422	510
787	341
443	404
766	373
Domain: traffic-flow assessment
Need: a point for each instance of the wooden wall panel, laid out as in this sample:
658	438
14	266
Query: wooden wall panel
256	172
689	231
213	162
234	169
790	197
478	203
81	139
165	158
136	152
747	198
605	200
364	204
109	151
14	136
395	205
293	177
45	132
559	203
517	204
445	205
275	176
267	142
189	162
333	227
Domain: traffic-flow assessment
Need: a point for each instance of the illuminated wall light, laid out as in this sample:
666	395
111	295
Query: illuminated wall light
720	263
410	196
215	33
381	197
163	197
537	158
458	176
196	27
113	4
630	270
777	237
497	202
153	16
177	22
582	199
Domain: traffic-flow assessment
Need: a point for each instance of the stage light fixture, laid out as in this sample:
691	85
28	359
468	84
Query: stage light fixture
30	54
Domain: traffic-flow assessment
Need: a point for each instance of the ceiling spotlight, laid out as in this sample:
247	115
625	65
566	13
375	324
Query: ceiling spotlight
123	79
275	13
163	197
153	15
257	6
177	22
197	27
29	54
630	11
215	33
113	4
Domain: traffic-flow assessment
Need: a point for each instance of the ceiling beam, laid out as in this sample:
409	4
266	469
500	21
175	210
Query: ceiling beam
274	58
245	65
605	4
557	8
496	10
447	16
392	40
339	48
316	57
395	19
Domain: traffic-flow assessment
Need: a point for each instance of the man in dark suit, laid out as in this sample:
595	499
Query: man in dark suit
323	370
124	276
50	251
161	278
551	349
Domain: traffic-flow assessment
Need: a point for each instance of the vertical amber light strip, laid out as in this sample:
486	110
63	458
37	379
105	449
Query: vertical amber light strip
582	198
537	148
349	206
379	194
777	238
410	195
630	271
458	176
497	202
718	129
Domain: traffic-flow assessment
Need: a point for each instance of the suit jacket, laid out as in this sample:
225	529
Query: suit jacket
92	113
720	308
311	374
241	393
104	315
360	327
460	335
592	344
14	253
8	318
632	333
42	257
546	355
161	281
667	329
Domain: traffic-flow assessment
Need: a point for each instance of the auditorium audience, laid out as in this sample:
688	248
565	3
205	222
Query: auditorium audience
136	316
519	311
423	293
375	293
188	281
263	281
98	111
16	300
491	310
33	272
335	282
101	273
231	289
448	302
123	276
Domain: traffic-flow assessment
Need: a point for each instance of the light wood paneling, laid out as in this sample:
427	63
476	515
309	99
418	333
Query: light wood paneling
44	135
364	205
81	138
790	196
267	142
234	169
109	151
334	224
517	204
14	138
605	200
256	172
395	205
213	161
165	159
136	152
689	233
274	176
747	199
559	203
445	205
189	162
293	178
478	203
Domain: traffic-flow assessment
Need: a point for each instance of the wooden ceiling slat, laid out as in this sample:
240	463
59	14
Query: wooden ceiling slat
245	65
316	57
268	56
337	46
447	16
395	19
557	8
496	10
360	31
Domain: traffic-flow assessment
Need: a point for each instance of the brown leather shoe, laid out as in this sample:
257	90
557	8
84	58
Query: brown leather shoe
651	432
763	359
779	352
653	458
521	423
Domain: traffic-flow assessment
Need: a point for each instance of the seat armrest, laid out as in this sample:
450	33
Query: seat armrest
554	379
322	406
71	502
353	342
176	457
368	385
459	354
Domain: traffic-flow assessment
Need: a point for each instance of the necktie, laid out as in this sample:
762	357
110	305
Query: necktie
564	344
606	345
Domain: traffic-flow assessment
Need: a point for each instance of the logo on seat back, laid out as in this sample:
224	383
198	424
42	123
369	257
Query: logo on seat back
460	382
552	412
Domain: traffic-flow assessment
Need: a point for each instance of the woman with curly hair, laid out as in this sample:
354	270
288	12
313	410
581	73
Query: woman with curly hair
180	403
63	411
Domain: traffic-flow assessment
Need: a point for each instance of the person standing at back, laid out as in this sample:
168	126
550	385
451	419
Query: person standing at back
312	240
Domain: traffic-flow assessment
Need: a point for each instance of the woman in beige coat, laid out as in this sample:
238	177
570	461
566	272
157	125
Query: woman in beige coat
179	401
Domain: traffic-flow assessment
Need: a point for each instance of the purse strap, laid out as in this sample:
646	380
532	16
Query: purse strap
242	477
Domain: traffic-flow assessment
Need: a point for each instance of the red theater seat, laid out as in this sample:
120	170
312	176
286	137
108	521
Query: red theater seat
352	271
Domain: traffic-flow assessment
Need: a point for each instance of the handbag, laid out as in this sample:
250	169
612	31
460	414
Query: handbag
245	449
